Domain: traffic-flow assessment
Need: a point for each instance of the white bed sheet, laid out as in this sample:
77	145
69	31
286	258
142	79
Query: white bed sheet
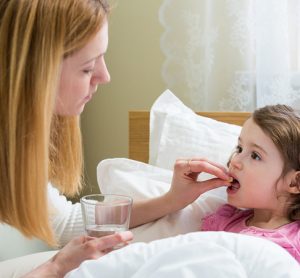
201	254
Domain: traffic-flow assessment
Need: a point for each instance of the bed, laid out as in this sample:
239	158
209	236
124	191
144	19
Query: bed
172	245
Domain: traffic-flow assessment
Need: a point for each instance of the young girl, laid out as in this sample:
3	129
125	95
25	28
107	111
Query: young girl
264	196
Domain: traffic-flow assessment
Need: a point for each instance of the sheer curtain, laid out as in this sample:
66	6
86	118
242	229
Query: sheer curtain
232	54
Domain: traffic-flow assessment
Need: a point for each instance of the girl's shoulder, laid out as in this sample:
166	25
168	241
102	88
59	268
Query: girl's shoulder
291	230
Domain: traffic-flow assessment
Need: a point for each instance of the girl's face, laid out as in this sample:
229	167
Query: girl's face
81	73
257	168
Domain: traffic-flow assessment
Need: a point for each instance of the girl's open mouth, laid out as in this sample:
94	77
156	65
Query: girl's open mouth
234	187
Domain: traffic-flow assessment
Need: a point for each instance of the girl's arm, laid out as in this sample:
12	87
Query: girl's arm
184	190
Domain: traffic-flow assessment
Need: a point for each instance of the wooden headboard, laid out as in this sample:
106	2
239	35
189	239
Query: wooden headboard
139	129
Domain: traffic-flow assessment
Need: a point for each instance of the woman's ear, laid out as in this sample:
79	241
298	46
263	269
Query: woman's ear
294	186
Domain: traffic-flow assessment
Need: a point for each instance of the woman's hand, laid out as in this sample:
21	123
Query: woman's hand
185	188
76	251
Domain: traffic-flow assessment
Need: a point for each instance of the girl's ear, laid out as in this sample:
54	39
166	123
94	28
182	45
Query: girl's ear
294	187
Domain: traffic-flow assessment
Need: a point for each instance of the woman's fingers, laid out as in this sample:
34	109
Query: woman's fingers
110	241
208	167
219	165
212	184
196	165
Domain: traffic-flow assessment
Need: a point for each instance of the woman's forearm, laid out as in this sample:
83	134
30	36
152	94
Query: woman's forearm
185	189
144	211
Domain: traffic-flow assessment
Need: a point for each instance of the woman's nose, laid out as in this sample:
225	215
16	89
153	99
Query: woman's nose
101	74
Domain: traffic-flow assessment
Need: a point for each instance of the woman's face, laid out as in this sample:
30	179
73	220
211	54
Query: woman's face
81	73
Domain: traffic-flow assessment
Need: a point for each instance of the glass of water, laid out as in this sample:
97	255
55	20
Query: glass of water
105	214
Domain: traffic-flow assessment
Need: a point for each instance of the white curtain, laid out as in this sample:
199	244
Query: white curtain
232	54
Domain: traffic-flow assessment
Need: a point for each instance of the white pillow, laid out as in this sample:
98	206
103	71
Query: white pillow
177	132
141	180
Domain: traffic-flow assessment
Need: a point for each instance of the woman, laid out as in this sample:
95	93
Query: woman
42	93
51	61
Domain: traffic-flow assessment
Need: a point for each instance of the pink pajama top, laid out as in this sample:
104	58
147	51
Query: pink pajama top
230	219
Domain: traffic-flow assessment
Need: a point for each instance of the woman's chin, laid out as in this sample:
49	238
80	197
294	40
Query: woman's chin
73	112
79	111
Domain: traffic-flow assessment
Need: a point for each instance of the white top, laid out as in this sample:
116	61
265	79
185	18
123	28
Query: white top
67	219
66	222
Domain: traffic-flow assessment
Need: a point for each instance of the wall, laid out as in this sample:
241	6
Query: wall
134	60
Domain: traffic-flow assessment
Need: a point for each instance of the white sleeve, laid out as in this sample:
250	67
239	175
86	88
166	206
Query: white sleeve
65	217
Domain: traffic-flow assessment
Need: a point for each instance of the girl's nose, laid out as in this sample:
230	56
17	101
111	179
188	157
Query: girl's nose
236	162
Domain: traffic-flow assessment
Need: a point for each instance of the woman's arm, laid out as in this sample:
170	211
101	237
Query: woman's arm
184	190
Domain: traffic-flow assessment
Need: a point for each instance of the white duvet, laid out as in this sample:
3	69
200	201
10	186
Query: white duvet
201	254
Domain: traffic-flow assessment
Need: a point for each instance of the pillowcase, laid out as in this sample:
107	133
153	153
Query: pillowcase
140	180
177	132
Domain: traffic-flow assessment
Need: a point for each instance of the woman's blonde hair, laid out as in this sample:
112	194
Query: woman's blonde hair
36	145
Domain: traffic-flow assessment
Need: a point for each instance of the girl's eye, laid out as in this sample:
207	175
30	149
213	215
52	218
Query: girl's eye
255	156
239	149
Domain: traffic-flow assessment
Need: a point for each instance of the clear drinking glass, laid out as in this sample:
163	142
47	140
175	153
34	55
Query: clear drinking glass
106	214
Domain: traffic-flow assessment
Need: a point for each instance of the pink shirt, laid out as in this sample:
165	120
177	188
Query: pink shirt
230	219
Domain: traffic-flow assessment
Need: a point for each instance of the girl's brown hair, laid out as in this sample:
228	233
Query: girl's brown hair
37	146
282	124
